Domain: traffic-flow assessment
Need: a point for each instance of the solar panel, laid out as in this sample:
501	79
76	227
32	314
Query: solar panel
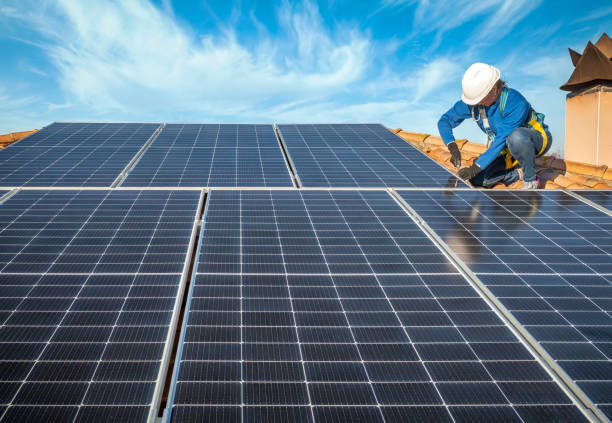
212	155
73	154
359	155
547	257
88	284
599	197
335	306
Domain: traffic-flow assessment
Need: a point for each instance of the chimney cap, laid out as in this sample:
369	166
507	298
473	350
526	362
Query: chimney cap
592	67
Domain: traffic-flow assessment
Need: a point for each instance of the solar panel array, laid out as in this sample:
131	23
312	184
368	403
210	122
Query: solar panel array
213	156
73	154
88	286
335	306
314	305
547	257
366	155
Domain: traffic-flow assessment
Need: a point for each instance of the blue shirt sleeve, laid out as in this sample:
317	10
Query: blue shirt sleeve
514	116
451	119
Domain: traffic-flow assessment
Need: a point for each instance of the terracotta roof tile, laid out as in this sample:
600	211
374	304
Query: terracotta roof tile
551	185
12	137
554	173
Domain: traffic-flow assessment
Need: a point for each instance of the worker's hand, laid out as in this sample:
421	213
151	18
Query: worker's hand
469	172
455	154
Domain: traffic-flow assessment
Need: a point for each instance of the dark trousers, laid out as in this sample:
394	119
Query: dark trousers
524	144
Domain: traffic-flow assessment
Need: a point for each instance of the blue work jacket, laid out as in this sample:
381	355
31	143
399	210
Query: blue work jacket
513	116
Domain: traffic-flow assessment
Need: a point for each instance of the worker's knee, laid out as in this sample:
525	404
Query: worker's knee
519	141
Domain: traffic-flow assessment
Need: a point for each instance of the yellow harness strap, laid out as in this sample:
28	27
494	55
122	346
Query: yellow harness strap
534	123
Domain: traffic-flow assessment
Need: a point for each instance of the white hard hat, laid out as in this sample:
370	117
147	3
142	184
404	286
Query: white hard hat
477	81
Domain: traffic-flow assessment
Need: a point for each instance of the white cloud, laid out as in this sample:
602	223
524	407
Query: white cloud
595	14
123	56
434	75
440	16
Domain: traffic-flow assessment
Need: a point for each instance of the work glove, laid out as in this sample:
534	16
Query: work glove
469	172
455	154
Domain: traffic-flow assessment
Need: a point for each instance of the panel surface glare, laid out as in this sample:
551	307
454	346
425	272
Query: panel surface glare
599	197
548	258
359	155
212	155
334	306
88	284
73	154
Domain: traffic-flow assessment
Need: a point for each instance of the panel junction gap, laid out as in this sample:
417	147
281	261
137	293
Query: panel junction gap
573	391
136	158
181	316
288	161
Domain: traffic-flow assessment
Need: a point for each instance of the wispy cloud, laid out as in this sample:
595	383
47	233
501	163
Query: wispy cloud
125	55
439	17
595	14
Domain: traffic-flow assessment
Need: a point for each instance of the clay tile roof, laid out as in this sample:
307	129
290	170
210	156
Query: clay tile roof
553	173
12	137
592	67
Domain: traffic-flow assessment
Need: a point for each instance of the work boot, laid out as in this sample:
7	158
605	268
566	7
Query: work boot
535	184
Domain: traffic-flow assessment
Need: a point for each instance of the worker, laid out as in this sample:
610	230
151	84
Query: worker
516	133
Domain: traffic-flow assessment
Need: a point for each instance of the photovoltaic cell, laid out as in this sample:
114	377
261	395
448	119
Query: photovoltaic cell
73	154
212	155
359	155
599	197
88	284
547	257
334	306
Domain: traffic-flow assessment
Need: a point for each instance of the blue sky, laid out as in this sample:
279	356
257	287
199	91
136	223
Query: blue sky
398	62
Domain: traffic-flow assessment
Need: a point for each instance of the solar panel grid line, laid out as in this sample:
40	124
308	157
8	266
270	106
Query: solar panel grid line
343	165
10	402
131	322
354	339
42	229
50	147
359	156
213	154
461	183
601	200
26	138
14	143
295	327
175	315
210	155
121	177
92	152
337	405
392	309
120	310
73	154
567	381
449	317
543	357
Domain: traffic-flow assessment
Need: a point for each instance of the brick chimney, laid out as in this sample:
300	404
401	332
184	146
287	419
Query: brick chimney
588	106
